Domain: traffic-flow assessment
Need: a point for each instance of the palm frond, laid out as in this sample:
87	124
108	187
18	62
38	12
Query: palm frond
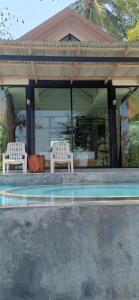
104	13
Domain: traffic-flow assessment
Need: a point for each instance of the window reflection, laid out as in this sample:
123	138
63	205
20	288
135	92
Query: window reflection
13	114
91	132
128	134
52	118
87	132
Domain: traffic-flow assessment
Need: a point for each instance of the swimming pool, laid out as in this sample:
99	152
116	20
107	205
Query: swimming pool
67	194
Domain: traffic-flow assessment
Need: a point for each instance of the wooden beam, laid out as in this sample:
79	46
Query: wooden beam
75	66
124	54
70	59
31	77
59	46
33	66
68	65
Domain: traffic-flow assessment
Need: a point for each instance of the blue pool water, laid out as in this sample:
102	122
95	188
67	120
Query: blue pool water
66	193
97	190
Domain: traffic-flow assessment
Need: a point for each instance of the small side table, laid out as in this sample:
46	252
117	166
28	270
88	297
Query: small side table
36	163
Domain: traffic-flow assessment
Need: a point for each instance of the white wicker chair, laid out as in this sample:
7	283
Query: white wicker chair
15	155
61	154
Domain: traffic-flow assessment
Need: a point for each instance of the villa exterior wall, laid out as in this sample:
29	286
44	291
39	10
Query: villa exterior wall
99	117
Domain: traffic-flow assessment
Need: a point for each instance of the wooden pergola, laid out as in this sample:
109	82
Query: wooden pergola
21	61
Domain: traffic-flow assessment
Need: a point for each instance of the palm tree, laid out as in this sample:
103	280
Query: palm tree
104	13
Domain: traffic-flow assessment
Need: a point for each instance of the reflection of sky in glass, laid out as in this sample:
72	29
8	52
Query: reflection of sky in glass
124	117
3	103
20	131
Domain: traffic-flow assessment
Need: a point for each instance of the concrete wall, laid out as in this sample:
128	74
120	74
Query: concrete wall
73	253
86	176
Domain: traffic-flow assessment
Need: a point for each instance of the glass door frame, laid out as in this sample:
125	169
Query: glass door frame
76	84
119	155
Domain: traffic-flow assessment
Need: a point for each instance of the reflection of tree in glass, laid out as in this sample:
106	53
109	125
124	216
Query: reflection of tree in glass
66	131
20	124
125	140
20	119
3	141
134	145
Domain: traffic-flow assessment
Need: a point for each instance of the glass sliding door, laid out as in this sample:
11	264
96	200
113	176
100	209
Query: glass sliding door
12	115
91	129
52	118
82	121
128	125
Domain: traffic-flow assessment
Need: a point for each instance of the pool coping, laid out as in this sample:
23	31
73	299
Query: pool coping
74	205
9	192
57	201
93	176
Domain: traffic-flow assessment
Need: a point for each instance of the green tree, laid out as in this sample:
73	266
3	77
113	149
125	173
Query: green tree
133	34
6	21
129	13
114	16
129	7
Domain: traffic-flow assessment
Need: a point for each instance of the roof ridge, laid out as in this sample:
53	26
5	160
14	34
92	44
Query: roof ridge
48	21
65	15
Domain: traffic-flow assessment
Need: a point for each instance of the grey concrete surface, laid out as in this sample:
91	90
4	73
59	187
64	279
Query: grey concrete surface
79	176
72	253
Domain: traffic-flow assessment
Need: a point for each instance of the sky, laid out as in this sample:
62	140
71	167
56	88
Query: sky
33	12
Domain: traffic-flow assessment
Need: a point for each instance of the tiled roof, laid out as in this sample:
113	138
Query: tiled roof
67	22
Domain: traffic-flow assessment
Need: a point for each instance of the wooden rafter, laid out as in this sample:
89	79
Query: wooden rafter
32	66
60	46
75	62
117	65
63	65
75	67
44	77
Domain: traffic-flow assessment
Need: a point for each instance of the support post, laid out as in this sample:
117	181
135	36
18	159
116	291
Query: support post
112	126
72	129
30	109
